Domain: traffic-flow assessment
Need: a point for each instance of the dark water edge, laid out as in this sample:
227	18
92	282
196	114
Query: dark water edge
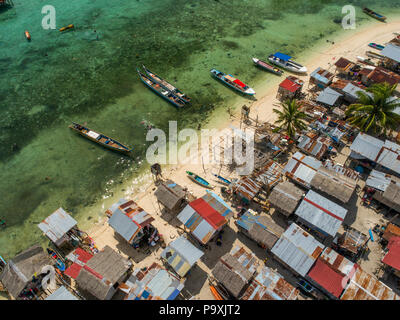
58	78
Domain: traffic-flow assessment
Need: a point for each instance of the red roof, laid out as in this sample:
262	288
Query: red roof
73	270
289	85
392	258
240	83
83	255
327	278
82	258
213	217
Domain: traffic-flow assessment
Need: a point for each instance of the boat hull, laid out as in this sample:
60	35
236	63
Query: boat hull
248	93
163	83
160	94
374	14
294	67
124	150
267	67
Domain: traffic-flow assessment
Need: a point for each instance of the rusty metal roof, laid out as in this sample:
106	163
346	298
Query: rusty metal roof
364	286
270	285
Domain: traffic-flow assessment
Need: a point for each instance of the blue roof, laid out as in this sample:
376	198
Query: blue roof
282	56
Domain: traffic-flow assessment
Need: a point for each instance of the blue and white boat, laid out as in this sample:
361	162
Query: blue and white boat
232	82
161	91
284	61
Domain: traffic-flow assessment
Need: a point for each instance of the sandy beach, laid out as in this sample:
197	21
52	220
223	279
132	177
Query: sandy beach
349	44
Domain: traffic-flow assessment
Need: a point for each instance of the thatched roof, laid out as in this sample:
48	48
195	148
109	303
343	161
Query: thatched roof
19	271
391	196
102	272
332	183
170	194
285	197
231	272
267	235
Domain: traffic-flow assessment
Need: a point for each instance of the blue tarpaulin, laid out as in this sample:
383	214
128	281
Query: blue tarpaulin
282	56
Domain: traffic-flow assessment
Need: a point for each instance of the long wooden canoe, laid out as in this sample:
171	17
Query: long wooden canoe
161	91
374	14
199	180
167	85
99	138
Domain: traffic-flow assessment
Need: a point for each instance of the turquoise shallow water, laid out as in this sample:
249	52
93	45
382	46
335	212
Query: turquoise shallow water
56	78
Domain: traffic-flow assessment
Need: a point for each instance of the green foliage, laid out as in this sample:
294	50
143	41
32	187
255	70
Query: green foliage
290	118
374	113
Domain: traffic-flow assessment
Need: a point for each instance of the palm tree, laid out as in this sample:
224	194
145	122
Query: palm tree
374	112
290	118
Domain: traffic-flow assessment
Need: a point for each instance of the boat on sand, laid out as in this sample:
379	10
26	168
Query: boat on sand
284	61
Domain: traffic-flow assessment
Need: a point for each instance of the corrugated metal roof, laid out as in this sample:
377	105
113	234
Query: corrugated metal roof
367	146
187	250
352	90
298	249
302	168
392	52
181	255
61	294
378	180
204	216
123	225
392	257
337	262
128	218
321	213
270	285
57	224
154	283
316	146
186	214
364	286
328	96
390	156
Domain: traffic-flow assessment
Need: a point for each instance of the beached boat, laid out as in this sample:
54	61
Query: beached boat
99	138
199	180
376	46
167	85
223	180
161	91
232	82
284	61
374	14
365	61
266	66
374	55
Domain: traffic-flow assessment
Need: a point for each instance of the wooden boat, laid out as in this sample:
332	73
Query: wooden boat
365	61
69	27
99	138
215	293
226	181
199	180
166	94
374	14
232	82
284	61
59	263
27	35
376	46
266	66
374	55
167	85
